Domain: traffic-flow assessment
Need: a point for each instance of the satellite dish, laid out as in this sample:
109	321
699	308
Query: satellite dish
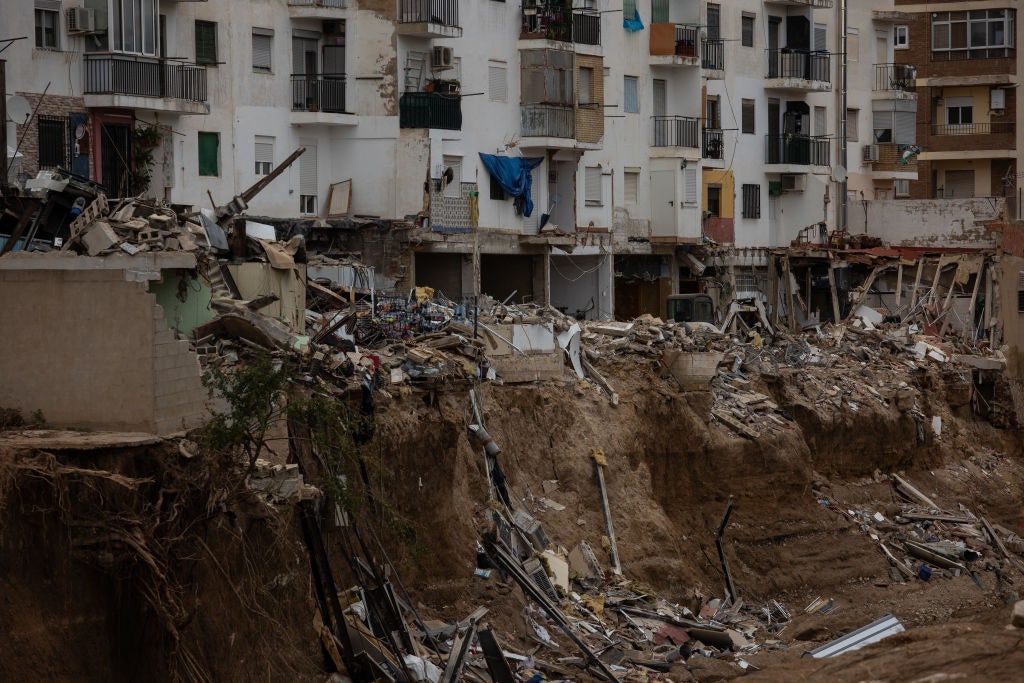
18	109
839	174
81	131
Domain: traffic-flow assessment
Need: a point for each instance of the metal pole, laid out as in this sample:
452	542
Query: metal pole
3	121
843	84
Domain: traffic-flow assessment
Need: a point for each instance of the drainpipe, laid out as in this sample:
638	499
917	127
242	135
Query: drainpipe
842	118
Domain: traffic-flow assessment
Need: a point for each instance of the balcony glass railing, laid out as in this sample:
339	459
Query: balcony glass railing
318	92
443	12
895	77
987	128
145	77
676	131
801	150
430	110
808	66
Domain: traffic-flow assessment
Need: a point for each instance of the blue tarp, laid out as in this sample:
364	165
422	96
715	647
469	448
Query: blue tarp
633	23
513	174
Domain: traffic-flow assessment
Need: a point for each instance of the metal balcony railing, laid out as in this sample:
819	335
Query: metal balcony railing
110	74
896	77
687	40
676	131
714	144
443	12
801	150
990	128
559	21
547	120
713	54
430	110
329	4
318	92
809	66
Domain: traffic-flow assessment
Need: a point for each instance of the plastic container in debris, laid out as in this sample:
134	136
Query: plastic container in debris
924	572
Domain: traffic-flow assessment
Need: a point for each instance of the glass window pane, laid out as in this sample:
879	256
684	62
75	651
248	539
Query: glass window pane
940	37
958	35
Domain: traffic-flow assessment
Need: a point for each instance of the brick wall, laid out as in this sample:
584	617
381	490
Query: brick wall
919	54
590	119
1004	124
28	135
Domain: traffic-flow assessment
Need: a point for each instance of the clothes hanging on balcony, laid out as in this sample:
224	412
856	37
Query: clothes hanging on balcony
513	174
633	23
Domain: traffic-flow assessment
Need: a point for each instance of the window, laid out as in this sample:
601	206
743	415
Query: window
606	75
307	204
209	154
820	38
133	26
714	21
309	182
454	187
630	96
592	186
547	77
751	201
497	82
628	9
852	126
853	45
586	85
714	207
901	37
712	113
747	34
976	34
659	11
53	141
820	121
631	185
47	24
901	188
497	191
1020	292
262	50
690	186
897	123
264	150
747	110
959	111
206	42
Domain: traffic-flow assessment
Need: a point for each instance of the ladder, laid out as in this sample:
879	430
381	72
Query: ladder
415	62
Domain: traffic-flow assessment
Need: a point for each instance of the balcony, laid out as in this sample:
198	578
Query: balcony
553	125
990	128
895	81
820	4
430	110
887	161
713	144
713	55
676	131
316	9
675	45
557	21
429	18
319	99
145	83
796	150
798	70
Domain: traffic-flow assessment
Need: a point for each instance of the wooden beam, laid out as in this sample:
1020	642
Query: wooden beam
794	324
599	464
835	294
899	286
917	283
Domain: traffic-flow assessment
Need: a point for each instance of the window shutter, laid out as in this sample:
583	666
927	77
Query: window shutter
209	153
592	185
586	78
853	45
690	186
820	121
852	130
262	46
497	83
308	182
630	96
206	42
265	149
748	123
751	201
905	128
631	186
820	38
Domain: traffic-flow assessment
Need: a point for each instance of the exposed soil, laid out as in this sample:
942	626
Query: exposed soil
243	572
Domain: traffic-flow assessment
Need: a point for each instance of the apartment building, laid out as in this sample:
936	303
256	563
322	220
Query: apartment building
965	58
654	135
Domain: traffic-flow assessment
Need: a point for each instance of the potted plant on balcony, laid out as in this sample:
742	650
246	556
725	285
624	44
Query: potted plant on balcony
443	86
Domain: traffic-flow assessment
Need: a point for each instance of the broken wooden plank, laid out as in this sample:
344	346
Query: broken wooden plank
908	490
599	464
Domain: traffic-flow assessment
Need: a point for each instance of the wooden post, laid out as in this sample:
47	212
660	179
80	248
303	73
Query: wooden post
773	287
599	464
917	283
974	294
835	294
791	305
899	286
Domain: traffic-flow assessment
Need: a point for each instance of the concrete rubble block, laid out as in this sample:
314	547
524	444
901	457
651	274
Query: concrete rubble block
1017	618
99	237
159	221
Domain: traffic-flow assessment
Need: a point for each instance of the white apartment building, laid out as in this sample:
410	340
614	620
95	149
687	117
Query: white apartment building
664	133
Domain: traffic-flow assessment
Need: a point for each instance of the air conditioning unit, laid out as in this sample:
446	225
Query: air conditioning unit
794	182
80	20
870	153
441	58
